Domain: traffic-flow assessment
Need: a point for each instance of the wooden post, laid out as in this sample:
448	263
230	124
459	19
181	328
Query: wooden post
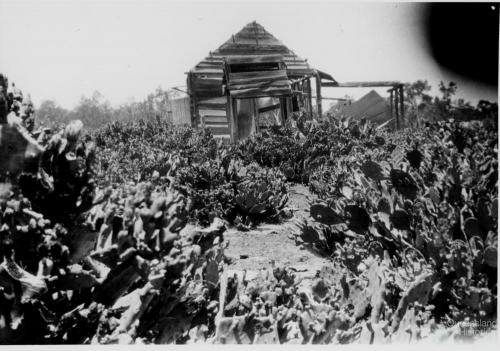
192	100
283	110
232	108
255	104
396	108
229	116
309	93
318	95
401	101
391	102
289	106
234	104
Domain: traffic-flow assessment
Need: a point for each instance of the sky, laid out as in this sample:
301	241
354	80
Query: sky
62	50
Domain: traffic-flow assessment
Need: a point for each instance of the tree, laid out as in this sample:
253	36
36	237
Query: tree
162	100
448	91
486	109
94	112
416	99
444	104
50	114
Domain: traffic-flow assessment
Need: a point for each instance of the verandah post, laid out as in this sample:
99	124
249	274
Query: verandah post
318	95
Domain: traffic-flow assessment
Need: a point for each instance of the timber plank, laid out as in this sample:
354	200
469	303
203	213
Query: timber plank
216	119
216	124
253	59
215	113
219	130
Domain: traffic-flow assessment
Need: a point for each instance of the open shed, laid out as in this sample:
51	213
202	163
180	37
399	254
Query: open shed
250	82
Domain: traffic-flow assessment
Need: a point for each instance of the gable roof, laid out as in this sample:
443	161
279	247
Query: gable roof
253	39
371	106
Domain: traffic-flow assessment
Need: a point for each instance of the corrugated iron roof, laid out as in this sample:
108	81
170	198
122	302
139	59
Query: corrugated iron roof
371	106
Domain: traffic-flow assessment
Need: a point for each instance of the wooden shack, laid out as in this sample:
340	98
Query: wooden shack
250	82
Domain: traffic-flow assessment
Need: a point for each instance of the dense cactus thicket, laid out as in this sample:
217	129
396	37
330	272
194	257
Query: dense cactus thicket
117	236
88	263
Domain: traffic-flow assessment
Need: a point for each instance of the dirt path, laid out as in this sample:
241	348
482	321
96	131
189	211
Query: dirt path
259	248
